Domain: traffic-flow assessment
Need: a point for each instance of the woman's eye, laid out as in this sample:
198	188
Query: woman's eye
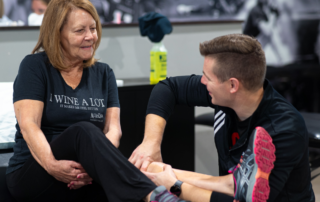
80	30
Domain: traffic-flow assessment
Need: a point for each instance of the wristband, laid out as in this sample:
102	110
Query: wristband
176	188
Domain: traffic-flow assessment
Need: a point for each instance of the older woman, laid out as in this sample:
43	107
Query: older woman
67	109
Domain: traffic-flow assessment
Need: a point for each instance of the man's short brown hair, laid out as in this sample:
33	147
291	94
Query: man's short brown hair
54	19
237	56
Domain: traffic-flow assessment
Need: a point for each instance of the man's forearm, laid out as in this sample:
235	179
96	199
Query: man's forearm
154	129
194	194
150	148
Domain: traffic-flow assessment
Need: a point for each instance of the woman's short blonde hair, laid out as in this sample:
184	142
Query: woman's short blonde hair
54	19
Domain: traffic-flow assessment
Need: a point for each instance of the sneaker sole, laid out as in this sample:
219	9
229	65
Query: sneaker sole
264	151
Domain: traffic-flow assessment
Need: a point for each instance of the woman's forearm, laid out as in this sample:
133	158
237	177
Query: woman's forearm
222	184
112	128
29	114
114	136
38	145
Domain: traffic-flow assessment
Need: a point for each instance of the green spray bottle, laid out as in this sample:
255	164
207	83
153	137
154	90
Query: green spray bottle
158	63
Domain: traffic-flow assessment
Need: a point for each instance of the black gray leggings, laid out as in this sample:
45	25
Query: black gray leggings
115	179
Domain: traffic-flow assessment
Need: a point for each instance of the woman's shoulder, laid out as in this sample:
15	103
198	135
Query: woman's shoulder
35	62
35	58
101	67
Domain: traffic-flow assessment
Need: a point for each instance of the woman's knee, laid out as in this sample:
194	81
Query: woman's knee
156	167
85	128
84	124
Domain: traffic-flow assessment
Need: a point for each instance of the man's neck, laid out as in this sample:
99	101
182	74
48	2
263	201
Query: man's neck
247	103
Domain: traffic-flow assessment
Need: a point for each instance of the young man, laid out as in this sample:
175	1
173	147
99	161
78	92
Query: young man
234	84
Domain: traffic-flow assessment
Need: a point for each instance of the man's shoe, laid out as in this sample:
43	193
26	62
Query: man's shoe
251	175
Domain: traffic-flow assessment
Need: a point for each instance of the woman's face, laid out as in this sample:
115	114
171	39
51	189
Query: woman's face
78	36
38	7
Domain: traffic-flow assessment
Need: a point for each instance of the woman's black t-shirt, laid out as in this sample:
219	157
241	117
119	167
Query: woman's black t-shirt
38	80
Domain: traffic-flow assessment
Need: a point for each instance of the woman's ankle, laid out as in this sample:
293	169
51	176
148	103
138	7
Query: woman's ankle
147	198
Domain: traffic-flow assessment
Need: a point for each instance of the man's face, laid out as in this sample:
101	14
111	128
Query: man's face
218	91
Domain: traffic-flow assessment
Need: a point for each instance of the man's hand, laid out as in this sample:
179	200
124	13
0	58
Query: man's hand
166	178
69	172
144	154
150	149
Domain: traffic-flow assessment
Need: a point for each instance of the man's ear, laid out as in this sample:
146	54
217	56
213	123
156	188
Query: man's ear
234	85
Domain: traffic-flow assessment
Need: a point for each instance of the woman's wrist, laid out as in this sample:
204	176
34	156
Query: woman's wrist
114	138
50	165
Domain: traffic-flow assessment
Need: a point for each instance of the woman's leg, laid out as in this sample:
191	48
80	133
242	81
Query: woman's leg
85	143
104	163
33	183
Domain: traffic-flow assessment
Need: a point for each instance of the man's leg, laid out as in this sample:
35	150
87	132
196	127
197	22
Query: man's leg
249	181
251	176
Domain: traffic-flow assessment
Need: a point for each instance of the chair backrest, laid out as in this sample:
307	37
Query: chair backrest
7	116
4	192
5	195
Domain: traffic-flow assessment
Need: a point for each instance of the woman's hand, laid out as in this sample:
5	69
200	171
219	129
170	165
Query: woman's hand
69	172
82	180
166	178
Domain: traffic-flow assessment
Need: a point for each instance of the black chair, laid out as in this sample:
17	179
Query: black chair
313	125
5	195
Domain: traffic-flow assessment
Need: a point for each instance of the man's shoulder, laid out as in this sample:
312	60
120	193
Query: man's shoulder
282	117
278	114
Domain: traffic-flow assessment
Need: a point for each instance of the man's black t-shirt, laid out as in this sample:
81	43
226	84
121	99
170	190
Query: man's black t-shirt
38	80
290	179
241	128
